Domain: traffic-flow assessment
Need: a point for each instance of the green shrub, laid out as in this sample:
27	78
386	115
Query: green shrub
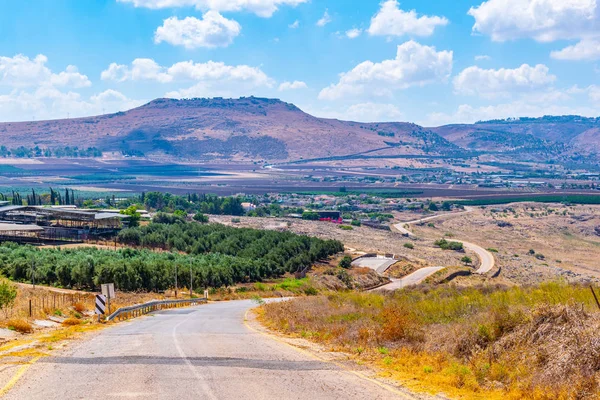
346	262
409	246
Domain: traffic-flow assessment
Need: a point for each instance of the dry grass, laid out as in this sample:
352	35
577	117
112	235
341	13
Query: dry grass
71	322
79	307
20	325
486	342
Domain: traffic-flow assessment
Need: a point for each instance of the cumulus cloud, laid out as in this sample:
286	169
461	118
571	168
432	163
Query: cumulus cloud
212	31
468	114
210	78
292	86
50	103
414	65
541	20
262	8
325	19
20	71
587	49
140	69
353	33
361	112
34	91
502	82
390	20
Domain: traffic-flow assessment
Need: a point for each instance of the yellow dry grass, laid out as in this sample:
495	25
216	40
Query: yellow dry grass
476	343
20	325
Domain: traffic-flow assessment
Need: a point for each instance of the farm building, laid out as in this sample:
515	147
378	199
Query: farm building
58	223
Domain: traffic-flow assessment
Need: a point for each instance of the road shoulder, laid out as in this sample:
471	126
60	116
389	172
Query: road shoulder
345	362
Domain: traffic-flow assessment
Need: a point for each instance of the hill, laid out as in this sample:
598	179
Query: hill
236	129
258	129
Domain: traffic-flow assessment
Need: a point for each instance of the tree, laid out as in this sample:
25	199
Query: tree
8	294
199	217
346	262
134	216
466	260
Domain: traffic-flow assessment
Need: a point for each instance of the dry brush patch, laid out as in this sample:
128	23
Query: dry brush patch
483	342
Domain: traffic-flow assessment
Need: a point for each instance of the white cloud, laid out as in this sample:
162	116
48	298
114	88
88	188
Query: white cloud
587	49
361	112
210	78
502	82
325	19
292	85
213	30
294	25
541	20
374	112
50	103
353	33
392	21
414	65
20	71
70	78
262	8
141	69
482	57
468	114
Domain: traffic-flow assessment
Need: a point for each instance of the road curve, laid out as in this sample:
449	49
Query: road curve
486	258
413	279
206	352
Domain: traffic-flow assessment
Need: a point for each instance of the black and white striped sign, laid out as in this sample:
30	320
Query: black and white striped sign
100	304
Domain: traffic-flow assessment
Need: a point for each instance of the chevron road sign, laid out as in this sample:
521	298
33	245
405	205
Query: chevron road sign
100	304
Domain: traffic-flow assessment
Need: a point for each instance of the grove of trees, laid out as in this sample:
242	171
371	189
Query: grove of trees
218	255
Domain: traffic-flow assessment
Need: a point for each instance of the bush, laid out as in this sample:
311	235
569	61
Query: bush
311	291
446	245
79	307
8	294
346	227
71	321
355	222
199	217
19	325
409	246
346	262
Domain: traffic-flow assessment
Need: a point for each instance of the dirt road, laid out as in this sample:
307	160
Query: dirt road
207	352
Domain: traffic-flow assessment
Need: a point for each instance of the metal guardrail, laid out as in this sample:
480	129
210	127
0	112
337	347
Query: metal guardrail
141	309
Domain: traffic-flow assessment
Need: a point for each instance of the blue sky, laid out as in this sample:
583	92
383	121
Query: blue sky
432	62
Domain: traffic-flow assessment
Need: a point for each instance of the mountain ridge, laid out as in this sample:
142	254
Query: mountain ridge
262	129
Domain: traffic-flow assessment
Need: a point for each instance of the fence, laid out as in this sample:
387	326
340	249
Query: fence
141	309
46	302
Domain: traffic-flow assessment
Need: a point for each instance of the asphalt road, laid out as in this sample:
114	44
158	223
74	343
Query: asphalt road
413	279
487	259
206	352
378	264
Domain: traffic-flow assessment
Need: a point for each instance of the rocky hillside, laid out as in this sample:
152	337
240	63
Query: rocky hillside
268	129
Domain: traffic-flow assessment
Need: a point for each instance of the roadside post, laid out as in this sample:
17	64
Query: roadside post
108	290
206	294
100	305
